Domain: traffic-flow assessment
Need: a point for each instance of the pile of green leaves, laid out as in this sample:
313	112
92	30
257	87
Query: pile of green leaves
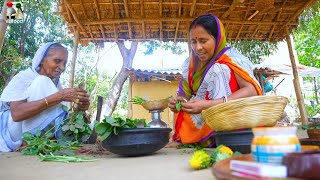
58	158
48	149
44	144
137	100
75	126
194	146
114	125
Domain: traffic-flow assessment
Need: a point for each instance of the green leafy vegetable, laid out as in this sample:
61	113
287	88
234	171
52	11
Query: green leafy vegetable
114	125
57	158
178	105
237	153
137	100
195	145
38	144
76	126
218	156
167	98
222	152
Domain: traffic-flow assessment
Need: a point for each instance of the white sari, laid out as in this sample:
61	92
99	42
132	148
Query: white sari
28	85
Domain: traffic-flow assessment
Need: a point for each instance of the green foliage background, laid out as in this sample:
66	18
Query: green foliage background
40	25
307	44
307	37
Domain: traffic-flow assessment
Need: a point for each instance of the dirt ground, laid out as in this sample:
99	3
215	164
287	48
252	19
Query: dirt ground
168	163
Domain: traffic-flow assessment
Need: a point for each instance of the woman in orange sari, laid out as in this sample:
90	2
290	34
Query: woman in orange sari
212	74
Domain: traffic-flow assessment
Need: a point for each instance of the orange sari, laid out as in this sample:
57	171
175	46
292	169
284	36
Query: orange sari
212	81
186	131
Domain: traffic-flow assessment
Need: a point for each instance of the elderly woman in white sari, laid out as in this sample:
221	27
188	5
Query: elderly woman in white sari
33	99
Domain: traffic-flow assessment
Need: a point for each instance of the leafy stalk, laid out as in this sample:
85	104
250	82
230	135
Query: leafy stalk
137	100
57	158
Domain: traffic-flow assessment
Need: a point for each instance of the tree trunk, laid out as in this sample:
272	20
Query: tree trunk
24	34
114	94
3	23
315	90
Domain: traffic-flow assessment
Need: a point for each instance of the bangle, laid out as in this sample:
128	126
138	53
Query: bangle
225	98
46	102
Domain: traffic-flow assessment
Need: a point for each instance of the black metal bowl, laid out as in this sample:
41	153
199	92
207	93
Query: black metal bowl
137	141
238	140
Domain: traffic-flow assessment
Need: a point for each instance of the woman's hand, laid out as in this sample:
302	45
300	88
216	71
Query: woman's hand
195	106
173	101
76	95
84	103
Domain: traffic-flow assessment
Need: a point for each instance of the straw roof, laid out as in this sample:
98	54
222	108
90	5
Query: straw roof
169	20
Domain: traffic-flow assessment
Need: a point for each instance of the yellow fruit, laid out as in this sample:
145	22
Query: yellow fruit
226	150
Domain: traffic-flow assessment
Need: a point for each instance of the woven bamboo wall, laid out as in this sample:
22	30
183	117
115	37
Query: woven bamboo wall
168	20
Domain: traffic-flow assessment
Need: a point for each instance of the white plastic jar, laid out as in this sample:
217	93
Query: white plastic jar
270	144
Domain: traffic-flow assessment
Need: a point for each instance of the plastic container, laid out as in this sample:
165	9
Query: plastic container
269	145
239	140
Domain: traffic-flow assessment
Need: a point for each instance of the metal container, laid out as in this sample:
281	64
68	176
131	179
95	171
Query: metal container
156	121
239	140
137	141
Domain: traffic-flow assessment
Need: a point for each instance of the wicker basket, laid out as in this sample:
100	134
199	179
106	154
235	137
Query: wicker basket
156	104
245	113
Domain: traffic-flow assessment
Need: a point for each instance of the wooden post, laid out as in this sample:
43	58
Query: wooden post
189	42
297	88
99	108
3	23
74	58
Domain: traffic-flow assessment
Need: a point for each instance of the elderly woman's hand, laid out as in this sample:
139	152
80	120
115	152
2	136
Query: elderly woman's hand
76	95
84	102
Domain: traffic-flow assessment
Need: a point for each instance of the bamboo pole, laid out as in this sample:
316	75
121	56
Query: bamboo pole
296	83
169	19
231	8
3	23
75	17
179	39
189	41
193	7
74	58
180	30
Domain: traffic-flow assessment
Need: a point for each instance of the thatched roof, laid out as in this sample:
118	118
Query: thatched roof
168	20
